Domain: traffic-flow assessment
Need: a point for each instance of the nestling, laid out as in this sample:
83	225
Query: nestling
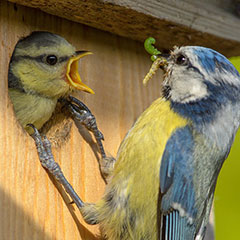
163	182
43	68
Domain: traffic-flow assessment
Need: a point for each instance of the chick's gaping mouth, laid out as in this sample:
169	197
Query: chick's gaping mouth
72	74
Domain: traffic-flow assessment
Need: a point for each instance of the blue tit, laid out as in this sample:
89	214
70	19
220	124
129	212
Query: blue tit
43	68
163	181
162	185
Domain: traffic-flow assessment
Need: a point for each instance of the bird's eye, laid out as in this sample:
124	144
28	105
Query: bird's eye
181	60
51	59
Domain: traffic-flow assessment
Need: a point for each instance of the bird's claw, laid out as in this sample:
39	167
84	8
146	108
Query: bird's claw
87	119
44	150
81	113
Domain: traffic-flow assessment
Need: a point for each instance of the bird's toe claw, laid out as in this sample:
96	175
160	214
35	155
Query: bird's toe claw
44	150
81	113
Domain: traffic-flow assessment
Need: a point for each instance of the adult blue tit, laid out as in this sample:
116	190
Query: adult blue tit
163	182
43	68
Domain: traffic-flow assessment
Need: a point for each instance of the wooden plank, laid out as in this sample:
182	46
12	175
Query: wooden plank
30	206
208	23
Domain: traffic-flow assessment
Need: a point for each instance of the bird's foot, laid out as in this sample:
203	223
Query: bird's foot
81	113
107	166
47	160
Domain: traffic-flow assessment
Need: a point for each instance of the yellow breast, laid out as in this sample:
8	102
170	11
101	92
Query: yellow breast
135	178
30	108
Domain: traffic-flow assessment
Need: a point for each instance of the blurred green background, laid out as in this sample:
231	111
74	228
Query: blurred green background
227	196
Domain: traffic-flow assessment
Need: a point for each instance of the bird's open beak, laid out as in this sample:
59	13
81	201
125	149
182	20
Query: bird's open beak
72	74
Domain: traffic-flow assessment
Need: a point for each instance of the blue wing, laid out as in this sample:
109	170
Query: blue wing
177	188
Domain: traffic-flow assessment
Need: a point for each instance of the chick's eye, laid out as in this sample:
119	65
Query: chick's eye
51	59
181	60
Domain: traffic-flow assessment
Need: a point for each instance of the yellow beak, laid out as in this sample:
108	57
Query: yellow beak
72	74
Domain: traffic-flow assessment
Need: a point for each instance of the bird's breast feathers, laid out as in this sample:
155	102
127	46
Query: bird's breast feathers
152	129
136	173
145	144
32	108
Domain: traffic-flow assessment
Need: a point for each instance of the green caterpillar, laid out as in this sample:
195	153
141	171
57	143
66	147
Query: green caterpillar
148	45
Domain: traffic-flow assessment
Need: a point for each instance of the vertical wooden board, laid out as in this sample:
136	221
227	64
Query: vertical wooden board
30	205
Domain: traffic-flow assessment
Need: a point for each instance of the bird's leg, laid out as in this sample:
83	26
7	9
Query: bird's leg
106	166
80	112
88	210
47	160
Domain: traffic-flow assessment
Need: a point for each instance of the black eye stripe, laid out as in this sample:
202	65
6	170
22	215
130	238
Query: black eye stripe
39	58
63	59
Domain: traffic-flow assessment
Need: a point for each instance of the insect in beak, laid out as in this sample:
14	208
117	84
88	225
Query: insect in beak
159	62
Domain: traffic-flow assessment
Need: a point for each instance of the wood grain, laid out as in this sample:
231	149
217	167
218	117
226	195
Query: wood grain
31	208
206	23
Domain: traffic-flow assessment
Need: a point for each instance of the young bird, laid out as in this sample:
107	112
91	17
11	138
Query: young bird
163	182
43	68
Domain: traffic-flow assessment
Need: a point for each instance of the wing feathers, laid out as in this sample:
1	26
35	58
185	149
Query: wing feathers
176	227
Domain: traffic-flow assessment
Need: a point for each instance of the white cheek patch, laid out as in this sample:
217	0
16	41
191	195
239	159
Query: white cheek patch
186	87
199	90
